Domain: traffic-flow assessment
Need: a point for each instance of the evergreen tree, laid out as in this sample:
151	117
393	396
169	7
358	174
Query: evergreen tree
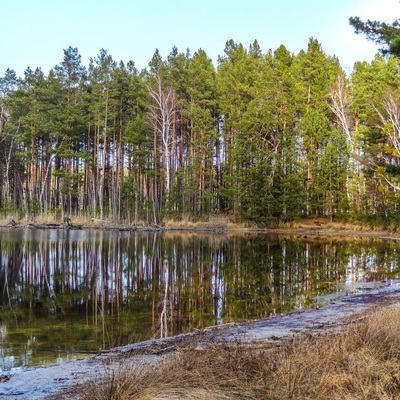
318	76
71	131
132	140
8	84
199	110
237	74
381	33
102	110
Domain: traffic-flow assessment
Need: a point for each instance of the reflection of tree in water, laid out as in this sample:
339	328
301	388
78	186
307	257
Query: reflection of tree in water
105	289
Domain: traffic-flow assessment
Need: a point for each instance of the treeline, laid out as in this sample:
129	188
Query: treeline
261	137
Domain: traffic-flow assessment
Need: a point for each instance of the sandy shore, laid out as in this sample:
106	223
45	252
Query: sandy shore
46	382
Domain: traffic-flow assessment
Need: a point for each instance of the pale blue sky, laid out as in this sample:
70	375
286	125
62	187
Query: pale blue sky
35	32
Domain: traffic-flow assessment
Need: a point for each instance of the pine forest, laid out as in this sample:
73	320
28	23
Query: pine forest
259	137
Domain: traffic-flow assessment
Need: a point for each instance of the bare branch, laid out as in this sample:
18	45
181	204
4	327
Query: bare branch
162	114
390	115
340	101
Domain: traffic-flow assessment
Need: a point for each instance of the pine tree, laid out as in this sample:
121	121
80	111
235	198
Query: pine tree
318	76
237	74
70	141
381	33
102	110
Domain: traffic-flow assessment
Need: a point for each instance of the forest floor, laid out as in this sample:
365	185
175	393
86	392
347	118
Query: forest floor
48	382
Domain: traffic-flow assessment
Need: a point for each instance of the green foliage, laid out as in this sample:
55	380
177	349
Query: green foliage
8	207
258	137
381	33
34	206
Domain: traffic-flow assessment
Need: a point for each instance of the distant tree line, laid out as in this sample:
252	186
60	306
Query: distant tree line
259	137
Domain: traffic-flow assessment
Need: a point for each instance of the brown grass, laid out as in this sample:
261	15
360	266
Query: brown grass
361	362
214	223
325	223
41	219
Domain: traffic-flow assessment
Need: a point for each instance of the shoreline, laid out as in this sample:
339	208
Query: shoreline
302	230
43	382
49	381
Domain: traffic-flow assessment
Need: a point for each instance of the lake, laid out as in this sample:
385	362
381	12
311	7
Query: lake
69	291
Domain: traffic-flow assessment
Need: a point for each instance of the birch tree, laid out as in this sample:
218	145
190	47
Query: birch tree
389	117
161	113
340	102
348	121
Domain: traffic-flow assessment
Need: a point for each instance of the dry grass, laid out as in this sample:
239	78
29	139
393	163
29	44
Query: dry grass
42	219
218	223
182	223
326	223
361	362
215	223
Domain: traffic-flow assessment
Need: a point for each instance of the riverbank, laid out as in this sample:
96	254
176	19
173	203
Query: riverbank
316	227
59	381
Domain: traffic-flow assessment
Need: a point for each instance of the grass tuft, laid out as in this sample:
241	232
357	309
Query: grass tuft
360	362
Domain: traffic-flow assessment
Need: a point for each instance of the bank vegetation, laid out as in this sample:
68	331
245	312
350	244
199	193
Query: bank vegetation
359	362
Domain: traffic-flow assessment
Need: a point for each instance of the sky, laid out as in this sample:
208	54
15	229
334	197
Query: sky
34	33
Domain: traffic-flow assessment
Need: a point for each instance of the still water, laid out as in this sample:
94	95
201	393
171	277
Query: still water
64	290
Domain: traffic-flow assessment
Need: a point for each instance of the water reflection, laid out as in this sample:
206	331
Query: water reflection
64	290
